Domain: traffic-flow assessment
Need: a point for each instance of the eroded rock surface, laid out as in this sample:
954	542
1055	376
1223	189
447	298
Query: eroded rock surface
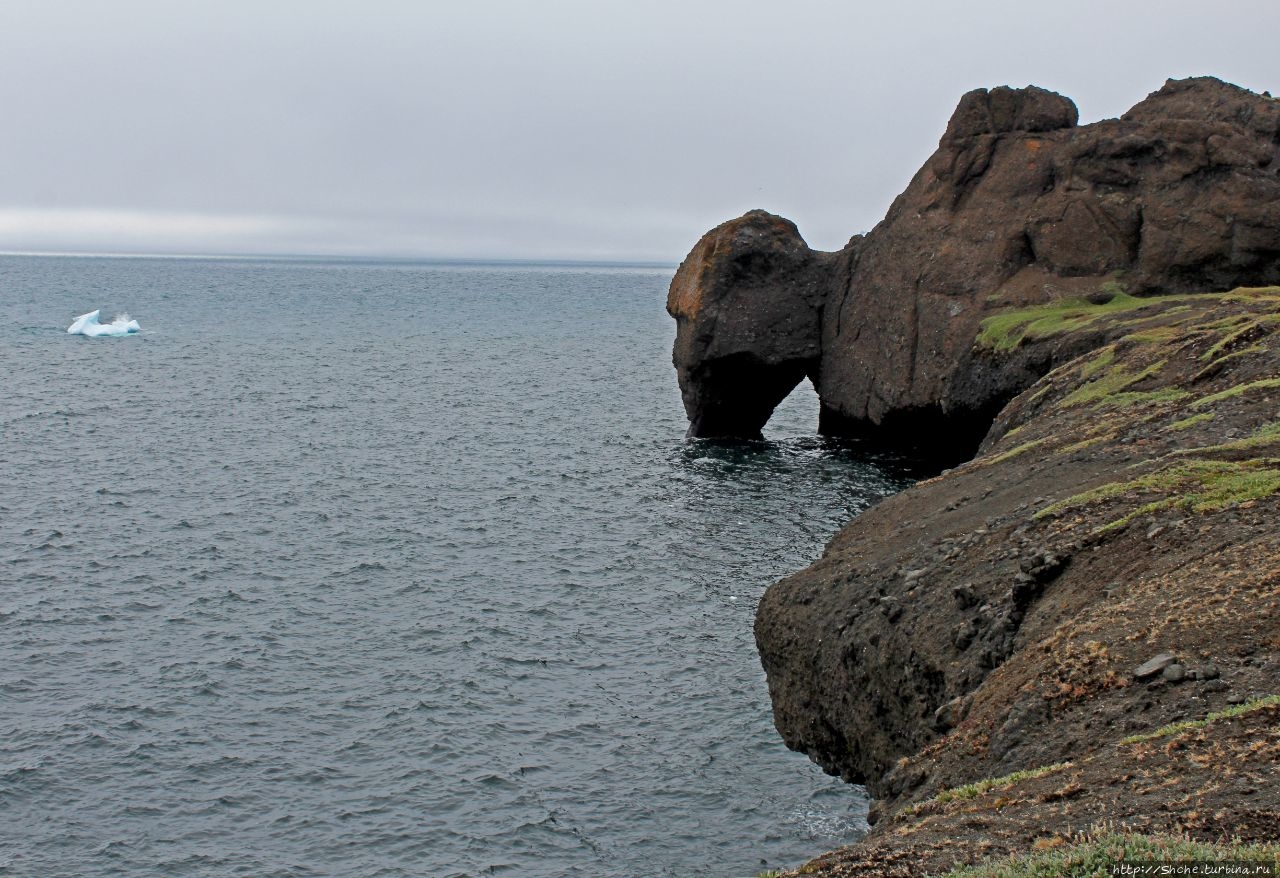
1018	206
1058	288
748	307
1107	566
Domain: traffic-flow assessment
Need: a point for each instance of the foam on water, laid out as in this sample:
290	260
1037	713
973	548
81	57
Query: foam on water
88	324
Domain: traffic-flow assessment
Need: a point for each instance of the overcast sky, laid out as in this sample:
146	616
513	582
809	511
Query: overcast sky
549	129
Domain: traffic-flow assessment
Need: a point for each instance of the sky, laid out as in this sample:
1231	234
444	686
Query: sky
510	129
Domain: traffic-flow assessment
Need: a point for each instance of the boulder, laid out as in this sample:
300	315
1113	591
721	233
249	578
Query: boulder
1153	666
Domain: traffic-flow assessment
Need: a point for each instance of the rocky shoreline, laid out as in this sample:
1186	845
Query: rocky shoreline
1107	566
1003	653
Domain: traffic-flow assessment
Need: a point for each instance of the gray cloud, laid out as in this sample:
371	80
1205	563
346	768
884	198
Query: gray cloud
556	129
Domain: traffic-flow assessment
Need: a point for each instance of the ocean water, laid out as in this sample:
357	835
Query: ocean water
383	569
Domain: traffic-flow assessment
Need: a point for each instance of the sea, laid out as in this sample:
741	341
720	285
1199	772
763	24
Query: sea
361	568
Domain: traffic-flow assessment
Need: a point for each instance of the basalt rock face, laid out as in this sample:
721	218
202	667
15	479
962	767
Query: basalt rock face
1019	205
748	306
1107	566
1001	616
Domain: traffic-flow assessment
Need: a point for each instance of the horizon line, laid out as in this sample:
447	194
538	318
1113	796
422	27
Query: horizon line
335	257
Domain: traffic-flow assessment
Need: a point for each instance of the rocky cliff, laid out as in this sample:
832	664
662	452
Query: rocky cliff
1019	205
1062	631
998	652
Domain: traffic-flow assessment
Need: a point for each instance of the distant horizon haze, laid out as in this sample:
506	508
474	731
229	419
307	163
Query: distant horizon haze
569	131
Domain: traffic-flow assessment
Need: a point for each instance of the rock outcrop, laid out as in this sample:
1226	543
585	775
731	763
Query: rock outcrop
1018	206
748	307
1106	568
993	651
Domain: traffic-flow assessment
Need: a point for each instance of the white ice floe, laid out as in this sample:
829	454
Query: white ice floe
87	324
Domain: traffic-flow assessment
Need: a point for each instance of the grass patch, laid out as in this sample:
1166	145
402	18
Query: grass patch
1198	486
1039	394
1227	713
1188	423
1144	397
1158	334
1266	435
1144	509
1238	390
977	788
1250	331
1232	321
1248	295
1004	332
1115	380
1216	366
1093	855
1085	443
1015	451
1102	492
1104	359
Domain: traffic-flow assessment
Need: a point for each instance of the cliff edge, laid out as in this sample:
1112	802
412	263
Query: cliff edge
982	649
1078	624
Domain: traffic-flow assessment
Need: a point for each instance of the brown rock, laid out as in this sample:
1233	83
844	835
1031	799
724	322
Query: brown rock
1031	645
1015	212
747	303
1018	206
1153	666
1047	616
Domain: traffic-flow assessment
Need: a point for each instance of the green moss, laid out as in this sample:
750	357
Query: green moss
1102	492
1116	379
1187	423
1156	334
1095	855
1015	431
1039	394
1191	725
1085	443
1145	397
1250	329
977	788
1264	436
1262	384
1015	451
1198	486
1144	509
1214	367
1229	487
1225	323
1004	332
1249	295
1104	358
1113	287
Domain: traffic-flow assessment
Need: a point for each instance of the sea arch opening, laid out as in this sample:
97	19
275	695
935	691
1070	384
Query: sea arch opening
797	414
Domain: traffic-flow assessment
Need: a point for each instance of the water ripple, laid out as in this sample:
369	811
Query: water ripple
445	599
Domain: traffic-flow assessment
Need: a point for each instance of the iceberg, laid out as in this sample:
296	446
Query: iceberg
87	324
